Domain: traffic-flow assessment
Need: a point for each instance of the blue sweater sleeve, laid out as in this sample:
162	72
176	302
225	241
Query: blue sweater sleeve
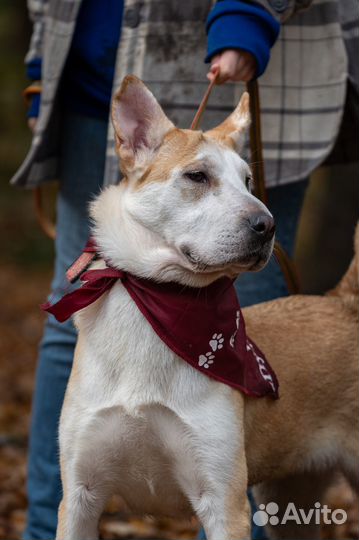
33	72
34	108
233	24
33	69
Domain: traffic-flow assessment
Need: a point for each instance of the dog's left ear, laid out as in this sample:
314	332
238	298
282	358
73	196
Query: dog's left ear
232	131
139	123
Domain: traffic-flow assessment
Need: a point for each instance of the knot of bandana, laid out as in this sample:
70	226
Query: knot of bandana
203	326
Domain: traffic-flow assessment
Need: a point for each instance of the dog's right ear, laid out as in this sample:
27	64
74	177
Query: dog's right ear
139	123
233	129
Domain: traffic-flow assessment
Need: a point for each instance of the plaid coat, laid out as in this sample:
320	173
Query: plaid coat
163	42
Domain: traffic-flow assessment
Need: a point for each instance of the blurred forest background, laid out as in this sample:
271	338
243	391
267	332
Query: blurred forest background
324	250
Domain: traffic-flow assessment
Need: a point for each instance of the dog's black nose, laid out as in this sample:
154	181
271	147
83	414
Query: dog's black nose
262	225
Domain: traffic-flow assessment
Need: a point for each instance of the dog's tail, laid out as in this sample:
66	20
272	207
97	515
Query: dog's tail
348	287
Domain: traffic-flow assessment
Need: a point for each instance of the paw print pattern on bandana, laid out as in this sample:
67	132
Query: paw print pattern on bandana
216	342
205	360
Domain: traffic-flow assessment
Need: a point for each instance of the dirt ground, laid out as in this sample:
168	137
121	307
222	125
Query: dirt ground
21	321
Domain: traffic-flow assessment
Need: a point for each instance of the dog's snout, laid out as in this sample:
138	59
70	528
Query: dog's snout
262	225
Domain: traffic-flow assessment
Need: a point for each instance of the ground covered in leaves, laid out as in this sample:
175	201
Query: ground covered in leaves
20	330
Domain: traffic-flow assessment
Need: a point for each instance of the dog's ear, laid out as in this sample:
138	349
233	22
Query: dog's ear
139	123
232	131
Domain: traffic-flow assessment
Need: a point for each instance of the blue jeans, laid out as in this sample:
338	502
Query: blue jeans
83	158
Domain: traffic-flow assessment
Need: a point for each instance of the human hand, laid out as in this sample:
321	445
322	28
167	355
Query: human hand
233	65
31	122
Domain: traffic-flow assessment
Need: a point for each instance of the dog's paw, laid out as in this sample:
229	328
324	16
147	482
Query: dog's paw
216	342
205	360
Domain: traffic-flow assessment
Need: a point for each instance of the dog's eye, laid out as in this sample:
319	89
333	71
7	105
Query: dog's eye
249	182
197	176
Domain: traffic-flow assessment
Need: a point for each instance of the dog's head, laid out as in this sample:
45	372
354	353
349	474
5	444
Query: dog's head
183	211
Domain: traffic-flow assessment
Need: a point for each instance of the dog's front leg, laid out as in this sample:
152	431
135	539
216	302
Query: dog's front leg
211	466
224	510
77	519
226	523
81	507
87	470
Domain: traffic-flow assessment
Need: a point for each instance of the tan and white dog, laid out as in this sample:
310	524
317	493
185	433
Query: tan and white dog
139	421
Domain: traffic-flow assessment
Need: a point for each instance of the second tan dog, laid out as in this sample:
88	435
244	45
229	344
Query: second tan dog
296	444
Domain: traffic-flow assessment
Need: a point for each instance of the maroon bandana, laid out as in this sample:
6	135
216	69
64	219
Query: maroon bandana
204	326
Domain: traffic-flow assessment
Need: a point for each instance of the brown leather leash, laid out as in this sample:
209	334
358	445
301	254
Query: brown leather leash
46	224
285	262
257	166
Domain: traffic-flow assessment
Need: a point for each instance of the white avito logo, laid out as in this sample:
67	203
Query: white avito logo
319	514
